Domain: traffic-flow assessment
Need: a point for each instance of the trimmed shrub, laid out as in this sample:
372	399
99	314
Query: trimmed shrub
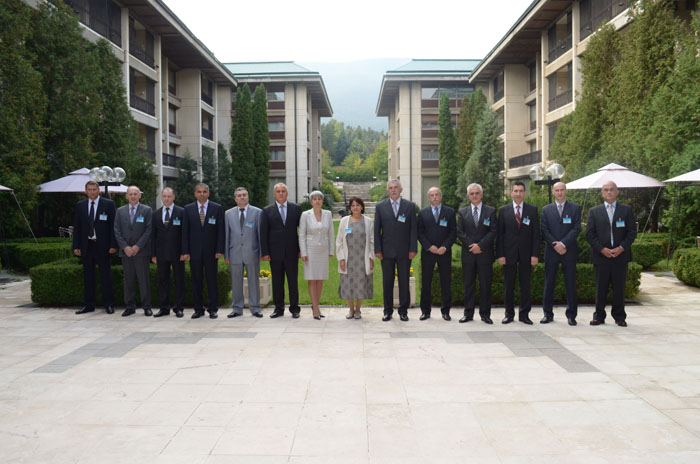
61	284
647	253
585	284
23	255
686	265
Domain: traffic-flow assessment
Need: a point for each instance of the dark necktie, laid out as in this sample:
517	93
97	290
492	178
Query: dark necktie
91	220
241	218
167	216
475	215
517	215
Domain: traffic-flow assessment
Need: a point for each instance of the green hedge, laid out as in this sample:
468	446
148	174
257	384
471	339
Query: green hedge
647	253
61	284
23	255
585	284
686	265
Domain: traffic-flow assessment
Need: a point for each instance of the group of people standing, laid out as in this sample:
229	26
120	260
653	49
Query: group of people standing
201	233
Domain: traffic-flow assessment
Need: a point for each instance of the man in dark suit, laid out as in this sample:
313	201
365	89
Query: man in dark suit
167	253
517	250
396	244
561	224
93	241
476	228
279	244
203	245
132	229
437	230
610	230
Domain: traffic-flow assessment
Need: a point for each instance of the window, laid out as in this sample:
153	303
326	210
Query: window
552	133
498	87
275	126
430	93
560	93
102	16
533	76
429	122
532	145
207	126
275	96
559	37
532	110
141	43
142	92
430	153
277	154
594	13
207	91
452	91
172	81
172	120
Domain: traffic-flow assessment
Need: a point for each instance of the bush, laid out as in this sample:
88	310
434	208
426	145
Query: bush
61	284
378	192
647	253
686	265
585	279
25	254
330	193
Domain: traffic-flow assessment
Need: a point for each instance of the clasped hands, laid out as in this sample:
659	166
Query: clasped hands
612	253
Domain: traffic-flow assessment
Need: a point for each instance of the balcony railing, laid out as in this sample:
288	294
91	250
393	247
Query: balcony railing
525	160
207	99
498	96
560	100
560	48
142	104
533	124
207	133
107	24
500	130
142	54
169	160
148	153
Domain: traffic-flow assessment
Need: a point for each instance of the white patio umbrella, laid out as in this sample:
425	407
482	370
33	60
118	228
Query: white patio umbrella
623	178
75	183
12	192
692	176
2	187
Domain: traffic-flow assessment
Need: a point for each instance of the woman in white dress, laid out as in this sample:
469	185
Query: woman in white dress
316	243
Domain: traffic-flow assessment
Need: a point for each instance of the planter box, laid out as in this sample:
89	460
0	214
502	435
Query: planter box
412	291
265	291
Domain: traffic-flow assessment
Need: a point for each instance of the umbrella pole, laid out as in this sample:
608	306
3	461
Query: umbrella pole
25	217
650	212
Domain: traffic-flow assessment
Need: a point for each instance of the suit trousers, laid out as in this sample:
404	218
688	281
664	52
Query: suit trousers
551	267
403	270
471	269
198	268
444	264
524	269
613	273
91	259
253	271
136	269
290	268
178	268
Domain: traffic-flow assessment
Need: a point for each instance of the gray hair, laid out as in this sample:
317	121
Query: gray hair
315	193
436	188
474	185
280	183
240	189
201	184
393	181
168	188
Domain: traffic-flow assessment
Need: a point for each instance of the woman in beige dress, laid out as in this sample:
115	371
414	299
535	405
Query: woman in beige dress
316	245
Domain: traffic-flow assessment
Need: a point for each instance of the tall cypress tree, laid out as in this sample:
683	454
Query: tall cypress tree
470	112
261	149
486	162
447	149
224	183
242	147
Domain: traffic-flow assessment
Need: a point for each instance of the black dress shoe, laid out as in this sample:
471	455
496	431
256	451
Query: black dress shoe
162	313
424	316
386	317
466	319
213	315
597	322
109	309
621	323
85	310
318	318
403	317
234	314
257	314
147	312
276	314
197	315
446	316
547	319
486	319
507	320
178	313
571	320
128	312
525	320
295	315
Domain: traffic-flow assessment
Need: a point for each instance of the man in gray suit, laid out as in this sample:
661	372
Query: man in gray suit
132	229
243	249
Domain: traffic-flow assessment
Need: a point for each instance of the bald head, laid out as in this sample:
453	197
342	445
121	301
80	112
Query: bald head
559	191
609	192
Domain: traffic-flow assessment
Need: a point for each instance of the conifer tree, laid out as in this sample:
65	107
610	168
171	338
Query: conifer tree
242	147
447	149
470	112
486	162
261	148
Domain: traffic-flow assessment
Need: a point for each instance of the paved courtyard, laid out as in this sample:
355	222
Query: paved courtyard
106	389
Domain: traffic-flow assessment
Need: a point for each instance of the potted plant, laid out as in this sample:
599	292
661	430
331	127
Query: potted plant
265	287
411	287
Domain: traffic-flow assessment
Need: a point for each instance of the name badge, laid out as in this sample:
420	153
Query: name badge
212	220
103	217
139	219
619	223
401	218
176	222
249	224
566	220
487	222
526	221
443	222
348	230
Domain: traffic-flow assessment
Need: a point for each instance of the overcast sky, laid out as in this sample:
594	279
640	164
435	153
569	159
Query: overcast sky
332	31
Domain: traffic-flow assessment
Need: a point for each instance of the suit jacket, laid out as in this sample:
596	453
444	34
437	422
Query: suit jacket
104	228
243	246
167	241
484	235
277	239
203	241
392	237
598	232
138	233
309	235
563	229
431	233
513	241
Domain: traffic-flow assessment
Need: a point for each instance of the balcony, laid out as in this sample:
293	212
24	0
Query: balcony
207	99
560	100
500	130
104	21
275	105
525	160
169	160
560	48
148	153
277	135
429	133
430	164
498	96
142	104
207	133
140	52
